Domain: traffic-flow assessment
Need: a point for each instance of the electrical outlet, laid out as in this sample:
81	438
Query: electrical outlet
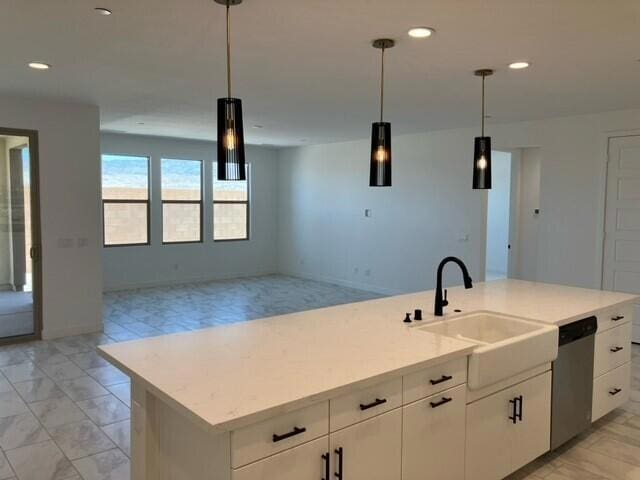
83	242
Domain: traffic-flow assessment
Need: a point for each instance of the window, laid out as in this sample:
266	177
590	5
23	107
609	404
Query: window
230	208
125	200
181	201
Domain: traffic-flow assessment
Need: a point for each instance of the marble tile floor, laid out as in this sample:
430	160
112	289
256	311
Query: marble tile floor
64	412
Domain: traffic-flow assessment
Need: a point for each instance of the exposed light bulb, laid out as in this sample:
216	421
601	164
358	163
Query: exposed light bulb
230	139
482	162
381	154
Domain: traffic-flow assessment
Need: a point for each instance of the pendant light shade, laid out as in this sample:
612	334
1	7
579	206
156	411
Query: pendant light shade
380	169
482	163
380	166
482	147
231	162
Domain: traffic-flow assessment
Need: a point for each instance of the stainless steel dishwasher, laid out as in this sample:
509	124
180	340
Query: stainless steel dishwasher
572	394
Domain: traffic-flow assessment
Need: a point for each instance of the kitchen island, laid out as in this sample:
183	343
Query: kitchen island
295	396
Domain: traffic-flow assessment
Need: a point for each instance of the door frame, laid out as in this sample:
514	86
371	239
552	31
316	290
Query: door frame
36	238
602	217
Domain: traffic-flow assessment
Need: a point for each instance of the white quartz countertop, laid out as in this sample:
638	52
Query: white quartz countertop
230	376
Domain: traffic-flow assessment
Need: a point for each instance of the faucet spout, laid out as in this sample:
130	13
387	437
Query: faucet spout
468	283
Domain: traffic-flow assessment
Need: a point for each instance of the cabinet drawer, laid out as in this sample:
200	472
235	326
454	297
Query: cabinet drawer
276	434
613	317
611	390
304	462
369	402
434	379
433	436
612	349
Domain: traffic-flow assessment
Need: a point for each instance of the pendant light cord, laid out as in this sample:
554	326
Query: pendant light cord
382	88
483	77
228	52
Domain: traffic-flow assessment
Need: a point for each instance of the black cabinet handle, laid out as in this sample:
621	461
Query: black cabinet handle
514	415
378	401
327	471
292	433
340	452
520	401
441	402
443	378
616	349
617	317
615	391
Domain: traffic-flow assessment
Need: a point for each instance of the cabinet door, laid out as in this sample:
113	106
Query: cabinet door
488	444
305	462
433	436
371	450
532	435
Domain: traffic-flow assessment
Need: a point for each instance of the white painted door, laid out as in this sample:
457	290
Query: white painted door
621	263
532	434
488	444
371	450
305	462
433	436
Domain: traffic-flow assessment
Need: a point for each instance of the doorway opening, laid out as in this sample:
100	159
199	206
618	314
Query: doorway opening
513	212
20	314
499	217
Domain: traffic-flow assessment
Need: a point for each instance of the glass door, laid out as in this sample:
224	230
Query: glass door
19	279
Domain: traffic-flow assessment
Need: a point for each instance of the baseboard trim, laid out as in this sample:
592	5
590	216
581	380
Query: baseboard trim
184	281
53	333
344	283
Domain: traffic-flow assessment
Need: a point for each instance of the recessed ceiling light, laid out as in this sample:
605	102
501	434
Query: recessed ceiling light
39	65
519	65
103	11
258	126
421	32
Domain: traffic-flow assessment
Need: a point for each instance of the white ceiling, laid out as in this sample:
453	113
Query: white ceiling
305	68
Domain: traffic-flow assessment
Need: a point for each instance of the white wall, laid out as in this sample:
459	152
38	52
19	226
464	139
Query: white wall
69	193
528	221
157	264
431	207
498	213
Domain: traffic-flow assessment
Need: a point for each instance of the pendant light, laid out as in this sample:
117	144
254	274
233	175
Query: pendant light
380	167
231	163
482	147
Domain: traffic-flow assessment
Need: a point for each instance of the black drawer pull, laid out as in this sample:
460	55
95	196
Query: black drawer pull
327	471
444	378
379	401
340	452
615	391
617	317
441	402
616	349
292	433
520	400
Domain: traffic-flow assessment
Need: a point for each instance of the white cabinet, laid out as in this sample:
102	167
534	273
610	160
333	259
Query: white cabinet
433	436
306	462
611	391
370	450
508	429
612	360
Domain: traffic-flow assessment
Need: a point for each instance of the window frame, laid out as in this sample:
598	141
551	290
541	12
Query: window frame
200	203
246	202
124	201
